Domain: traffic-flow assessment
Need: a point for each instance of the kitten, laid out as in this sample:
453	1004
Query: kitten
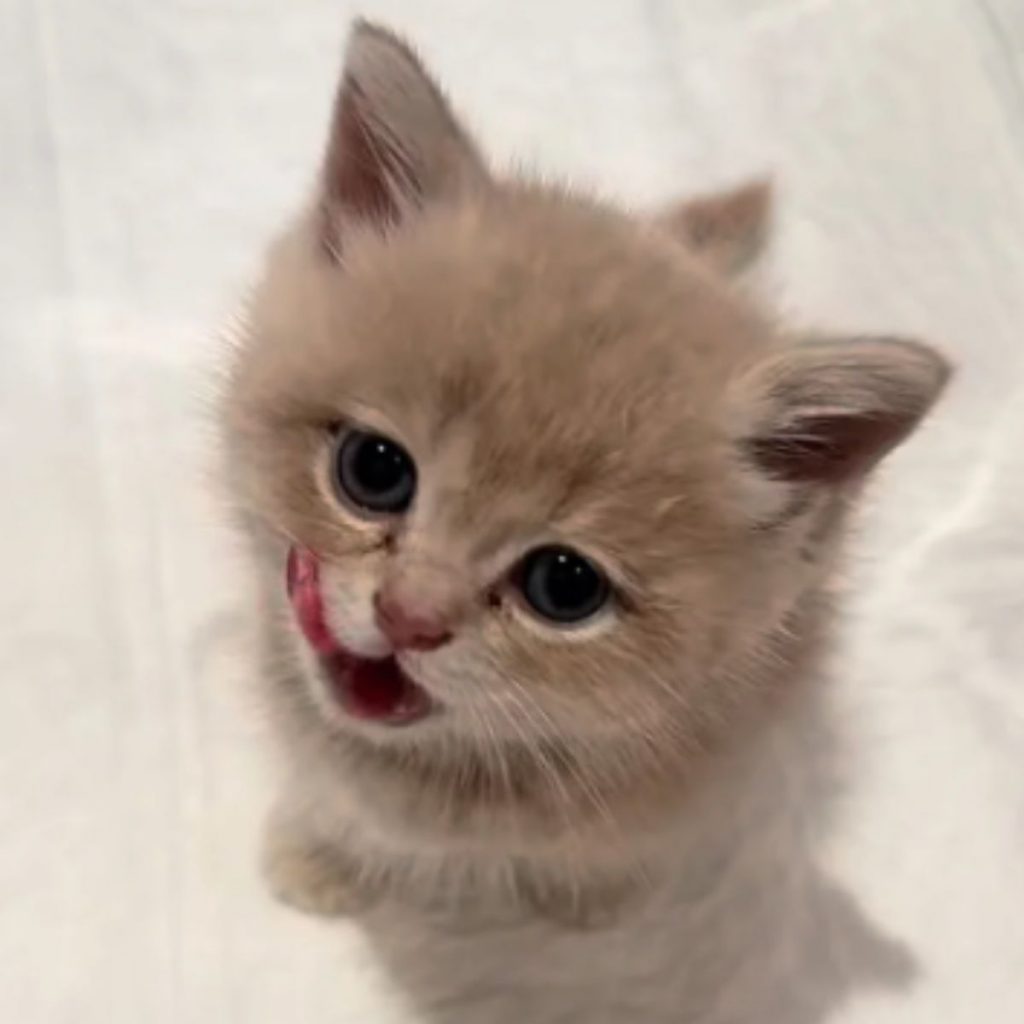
546	517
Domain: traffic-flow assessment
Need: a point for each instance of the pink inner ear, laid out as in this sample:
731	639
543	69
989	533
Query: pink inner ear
361	170
827	449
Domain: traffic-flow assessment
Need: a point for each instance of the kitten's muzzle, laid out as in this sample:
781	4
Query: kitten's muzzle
406	628
370	689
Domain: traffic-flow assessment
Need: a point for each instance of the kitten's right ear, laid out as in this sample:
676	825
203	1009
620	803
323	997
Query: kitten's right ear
825	412
395	143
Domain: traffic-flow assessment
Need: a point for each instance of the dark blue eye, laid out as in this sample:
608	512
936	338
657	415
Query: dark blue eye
563	586
374	472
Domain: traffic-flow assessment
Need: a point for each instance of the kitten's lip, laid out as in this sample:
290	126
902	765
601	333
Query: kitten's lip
371	689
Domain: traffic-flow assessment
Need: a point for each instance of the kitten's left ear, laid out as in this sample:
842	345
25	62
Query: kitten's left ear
825	412
395	143
726	229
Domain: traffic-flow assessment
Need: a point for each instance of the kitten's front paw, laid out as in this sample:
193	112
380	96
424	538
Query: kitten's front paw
313	877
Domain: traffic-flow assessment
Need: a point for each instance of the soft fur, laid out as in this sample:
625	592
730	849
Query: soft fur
564	841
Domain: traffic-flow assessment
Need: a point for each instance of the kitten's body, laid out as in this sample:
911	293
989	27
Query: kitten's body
563	835
737	924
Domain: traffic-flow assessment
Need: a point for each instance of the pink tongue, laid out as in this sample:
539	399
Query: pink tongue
303	577
378	688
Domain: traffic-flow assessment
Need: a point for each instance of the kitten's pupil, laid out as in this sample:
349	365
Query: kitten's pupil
374	472
563	586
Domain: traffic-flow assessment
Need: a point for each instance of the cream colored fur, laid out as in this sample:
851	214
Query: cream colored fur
566	841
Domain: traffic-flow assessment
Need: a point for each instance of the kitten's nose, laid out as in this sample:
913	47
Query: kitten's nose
408	628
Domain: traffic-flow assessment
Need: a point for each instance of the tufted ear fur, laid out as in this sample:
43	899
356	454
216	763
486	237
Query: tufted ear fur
394	144
727	229
827	411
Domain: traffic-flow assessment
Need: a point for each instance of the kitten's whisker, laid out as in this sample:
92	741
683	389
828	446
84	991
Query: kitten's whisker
549	771
492	747
578	776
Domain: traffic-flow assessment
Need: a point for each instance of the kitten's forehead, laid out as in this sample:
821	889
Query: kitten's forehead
554	357
553	363
533	308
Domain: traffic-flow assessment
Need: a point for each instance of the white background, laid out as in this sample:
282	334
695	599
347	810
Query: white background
148	147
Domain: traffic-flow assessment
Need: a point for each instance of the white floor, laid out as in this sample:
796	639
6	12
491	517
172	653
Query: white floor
146	149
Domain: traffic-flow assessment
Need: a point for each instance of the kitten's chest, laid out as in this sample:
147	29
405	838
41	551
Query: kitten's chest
737	922
686	955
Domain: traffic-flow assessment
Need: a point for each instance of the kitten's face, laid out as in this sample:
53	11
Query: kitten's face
541	474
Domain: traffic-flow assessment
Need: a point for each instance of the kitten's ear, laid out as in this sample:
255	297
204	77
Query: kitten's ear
727	229
827	411
395	144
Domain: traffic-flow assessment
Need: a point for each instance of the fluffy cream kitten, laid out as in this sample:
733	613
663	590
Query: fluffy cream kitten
546	516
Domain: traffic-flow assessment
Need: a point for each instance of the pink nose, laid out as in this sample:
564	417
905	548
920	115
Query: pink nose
409	629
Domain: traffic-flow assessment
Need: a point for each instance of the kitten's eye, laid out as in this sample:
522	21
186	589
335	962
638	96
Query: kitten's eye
374	473
563	586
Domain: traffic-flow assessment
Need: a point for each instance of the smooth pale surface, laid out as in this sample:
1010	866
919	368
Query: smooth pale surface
150	146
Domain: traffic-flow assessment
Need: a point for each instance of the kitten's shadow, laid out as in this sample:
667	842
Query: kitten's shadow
754	932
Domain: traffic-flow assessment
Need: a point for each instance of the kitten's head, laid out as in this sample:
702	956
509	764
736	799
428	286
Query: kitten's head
541	472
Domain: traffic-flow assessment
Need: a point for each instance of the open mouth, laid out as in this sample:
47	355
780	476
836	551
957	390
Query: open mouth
371	689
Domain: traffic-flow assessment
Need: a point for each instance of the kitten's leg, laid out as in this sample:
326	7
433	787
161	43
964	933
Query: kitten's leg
314	875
